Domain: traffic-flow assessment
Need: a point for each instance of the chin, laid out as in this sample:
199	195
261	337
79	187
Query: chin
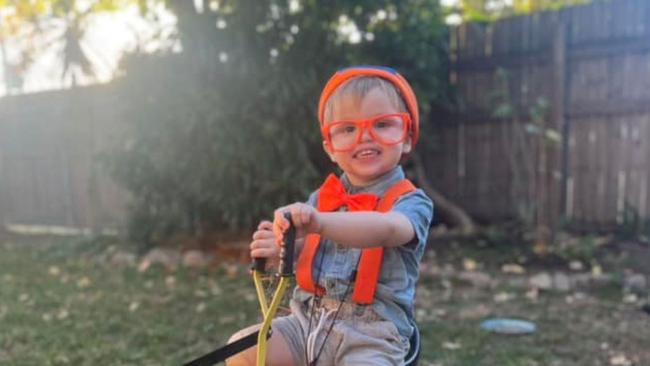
368	175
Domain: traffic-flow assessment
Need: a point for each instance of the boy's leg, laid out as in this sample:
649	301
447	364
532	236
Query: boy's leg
283	348
374	343
277	350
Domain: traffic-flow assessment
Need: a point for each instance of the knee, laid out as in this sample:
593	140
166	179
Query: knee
238	335
244	358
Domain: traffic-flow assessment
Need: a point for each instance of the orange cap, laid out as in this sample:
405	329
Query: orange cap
383	72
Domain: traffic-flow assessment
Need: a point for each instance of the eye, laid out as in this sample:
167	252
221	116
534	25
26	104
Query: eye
382	124
386	123
344	129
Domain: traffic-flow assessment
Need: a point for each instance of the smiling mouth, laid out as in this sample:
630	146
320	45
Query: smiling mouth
366	153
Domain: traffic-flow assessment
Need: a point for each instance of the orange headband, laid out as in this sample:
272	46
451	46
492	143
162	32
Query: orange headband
386	73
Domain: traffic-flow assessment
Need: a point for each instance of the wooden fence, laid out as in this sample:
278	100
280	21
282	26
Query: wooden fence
556	123
49	167
556	116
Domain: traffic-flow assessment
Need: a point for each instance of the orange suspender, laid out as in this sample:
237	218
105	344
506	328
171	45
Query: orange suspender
369	263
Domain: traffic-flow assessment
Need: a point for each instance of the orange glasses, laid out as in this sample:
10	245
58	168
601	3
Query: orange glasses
387	129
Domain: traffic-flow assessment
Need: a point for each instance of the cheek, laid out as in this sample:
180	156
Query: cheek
342	156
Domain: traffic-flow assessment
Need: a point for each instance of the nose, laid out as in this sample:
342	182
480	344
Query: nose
365	134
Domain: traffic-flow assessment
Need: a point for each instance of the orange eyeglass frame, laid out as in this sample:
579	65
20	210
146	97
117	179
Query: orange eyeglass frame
387	73
365	124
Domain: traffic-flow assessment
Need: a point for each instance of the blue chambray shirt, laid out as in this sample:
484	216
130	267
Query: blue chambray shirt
395	294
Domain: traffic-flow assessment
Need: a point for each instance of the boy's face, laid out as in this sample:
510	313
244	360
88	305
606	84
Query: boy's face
369	159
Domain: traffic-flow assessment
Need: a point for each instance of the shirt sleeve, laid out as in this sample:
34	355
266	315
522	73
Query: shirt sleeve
418	209
313	197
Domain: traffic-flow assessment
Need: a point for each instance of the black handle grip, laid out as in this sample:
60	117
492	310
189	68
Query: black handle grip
286	253
259	264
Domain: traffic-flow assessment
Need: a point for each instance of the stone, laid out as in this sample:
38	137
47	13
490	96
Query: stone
476	278
517	282
561	282
474	312
635	282
195	259
542	281
581	279
168	258
576	266
123	259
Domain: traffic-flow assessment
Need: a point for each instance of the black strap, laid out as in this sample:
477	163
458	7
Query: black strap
220	354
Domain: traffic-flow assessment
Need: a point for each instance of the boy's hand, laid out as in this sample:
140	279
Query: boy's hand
305	219
263	244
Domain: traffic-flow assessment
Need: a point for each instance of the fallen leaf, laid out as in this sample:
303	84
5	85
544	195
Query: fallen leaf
474	312
170	281
619	360
630	298
420	314
513	268
63	314
54	271
596	270
441	313
469	264
61	358
232	271
83	282
134	306
504	296
227	319
250	297
532	294
451	345
200	307
215	290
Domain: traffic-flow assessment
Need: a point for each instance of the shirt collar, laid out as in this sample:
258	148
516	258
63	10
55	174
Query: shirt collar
379	187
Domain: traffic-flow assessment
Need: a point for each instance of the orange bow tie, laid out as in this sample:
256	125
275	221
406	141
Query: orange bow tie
332	195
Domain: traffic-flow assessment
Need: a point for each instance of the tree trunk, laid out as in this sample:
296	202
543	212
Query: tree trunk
449	212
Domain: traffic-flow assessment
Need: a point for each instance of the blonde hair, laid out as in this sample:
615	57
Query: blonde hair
357	88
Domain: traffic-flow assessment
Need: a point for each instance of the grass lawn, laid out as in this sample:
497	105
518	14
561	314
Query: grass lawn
60	304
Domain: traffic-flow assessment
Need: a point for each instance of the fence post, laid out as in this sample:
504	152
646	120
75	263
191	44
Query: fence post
559	165
3	206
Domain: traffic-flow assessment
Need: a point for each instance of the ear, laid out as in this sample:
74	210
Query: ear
328	150
406	148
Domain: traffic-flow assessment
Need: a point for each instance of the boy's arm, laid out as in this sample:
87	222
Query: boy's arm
407	222
366	229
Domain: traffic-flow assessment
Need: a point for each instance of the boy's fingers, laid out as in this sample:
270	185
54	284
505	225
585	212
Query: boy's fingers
263	234
296	216
279	219
262	253
304	213
257	244
265	225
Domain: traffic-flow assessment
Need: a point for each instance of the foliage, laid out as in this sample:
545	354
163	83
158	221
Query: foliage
633	226
583	248
226	130
491	10
528	125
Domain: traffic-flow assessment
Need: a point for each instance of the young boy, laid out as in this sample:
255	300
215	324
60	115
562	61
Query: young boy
361	237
